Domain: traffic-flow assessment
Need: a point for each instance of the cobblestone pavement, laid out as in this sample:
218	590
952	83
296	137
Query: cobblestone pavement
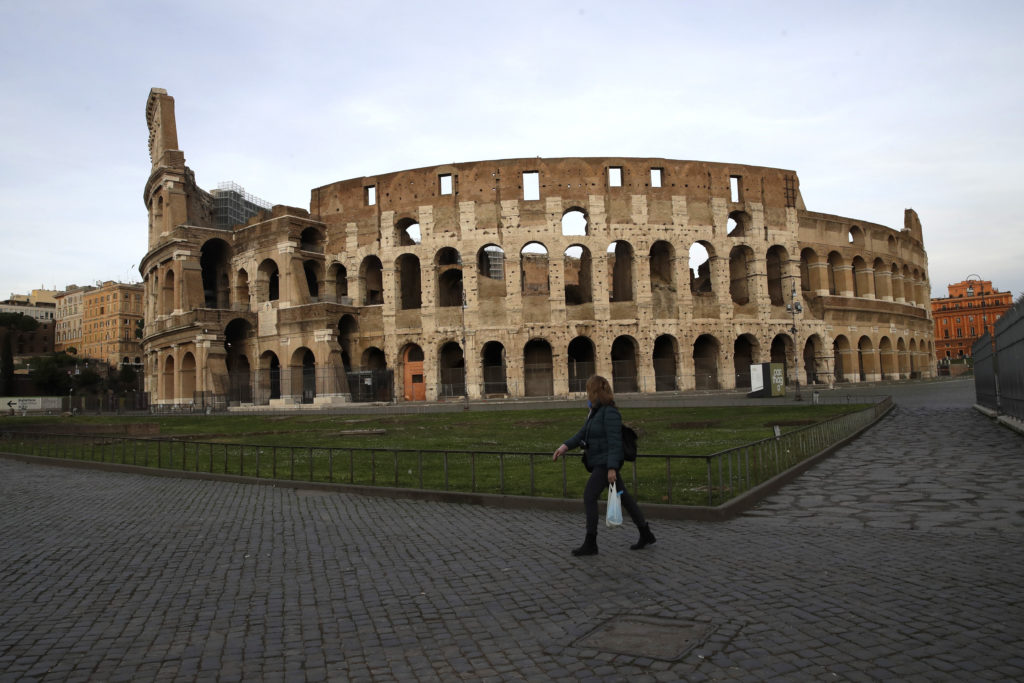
898	558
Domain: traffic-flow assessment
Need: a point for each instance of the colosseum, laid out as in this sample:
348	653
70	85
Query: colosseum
514	278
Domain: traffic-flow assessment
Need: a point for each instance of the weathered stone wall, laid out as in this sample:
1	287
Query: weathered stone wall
467	278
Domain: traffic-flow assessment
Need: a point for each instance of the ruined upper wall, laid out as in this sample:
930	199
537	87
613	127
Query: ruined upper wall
576	181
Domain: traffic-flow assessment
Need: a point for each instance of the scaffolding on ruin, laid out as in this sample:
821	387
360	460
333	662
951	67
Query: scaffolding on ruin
232	205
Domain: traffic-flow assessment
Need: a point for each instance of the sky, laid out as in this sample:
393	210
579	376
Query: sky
878	107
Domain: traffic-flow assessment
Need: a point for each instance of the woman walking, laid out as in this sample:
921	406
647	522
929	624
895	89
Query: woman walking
601	439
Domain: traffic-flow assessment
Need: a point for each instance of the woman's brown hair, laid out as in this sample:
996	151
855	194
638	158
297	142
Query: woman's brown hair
599	391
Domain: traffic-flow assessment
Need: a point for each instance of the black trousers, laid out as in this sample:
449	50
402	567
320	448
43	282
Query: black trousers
597	483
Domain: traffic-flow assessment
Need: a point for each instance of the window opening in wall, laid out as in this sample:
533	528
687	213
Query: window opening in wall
371	195
734	188
574	223
445	180
655	177
614	176
531	185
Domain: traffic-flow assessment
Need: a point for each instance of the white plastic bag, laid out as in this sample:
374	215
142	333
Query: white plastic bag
613	517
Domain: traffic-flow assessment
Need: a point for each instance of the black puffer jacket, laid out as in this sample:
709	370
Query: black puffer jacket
602	433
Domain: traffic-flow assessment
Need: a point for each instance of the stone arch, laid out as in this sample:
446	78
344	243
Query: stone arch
188	376
408	232
856	236
860	287
810	275
348	335
777	269
169	293
741	274
371	280
241	289
865	359
533	270
575	222
214	263
745	350
337	278
269	381
578	275
538	376
413	380
834	265
887	361
409	284
452	370
664	354
167	379
314	272
738	224
781	350
268	281
620	271
238	336
842	358
902	358
705	362
303	370
494	369
882	283
448	264
490	272
582	361
896	282
625	377
701	281
813	352
311	239
661	263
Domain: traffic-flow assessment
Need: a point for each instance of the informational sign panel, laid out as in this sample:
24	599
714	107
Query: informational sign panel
767	380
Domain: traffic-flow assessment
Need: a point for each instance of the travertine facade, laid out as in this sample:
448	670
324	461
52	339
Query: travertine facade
661	274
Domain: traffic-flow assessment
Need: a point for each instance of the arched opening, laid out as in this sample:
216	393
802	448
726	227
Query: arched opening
577	276
740	273
887	359
621	271
169	299
538	377
348	334
492	361
902	358
841	357
744	351
808	280
241	295
303	371
574	222
705	362
188	376
490	272
581	360
533	271
664	357
663	286
268	287
338	277
237	336
896	282
269	380
409	285
449	277
738	224
624	365
835	262
167	380
413	382
865	359
880	276
776	264
407	232
812	355
311	240
214	262
371	277
452	368
313	272
373	381
700	269
860	275
856	236
782	352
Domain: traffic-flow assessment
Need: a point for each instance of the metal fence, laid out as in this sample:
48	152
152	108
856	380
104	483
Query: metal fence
999	365
680	479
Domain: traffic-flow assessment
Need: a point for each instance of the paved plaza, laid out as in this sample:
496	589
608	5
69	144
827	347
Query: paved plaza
898	558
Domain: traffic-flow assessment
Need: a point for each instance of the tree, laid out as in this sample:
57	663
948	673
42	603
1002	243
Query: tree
10	325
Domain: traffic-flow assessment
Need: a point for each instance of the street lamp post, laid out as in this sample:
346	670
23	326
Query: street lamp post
795	307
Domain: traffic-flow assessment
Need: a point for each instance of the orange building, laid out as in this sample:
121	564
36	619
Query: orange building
111	324
965	315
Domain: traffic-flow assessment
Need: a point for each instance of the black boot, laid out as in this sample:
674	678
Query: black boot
589	546
646	538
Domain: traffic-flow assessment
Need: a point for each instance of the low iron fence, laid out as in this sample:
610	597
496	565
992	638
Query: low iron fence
679	479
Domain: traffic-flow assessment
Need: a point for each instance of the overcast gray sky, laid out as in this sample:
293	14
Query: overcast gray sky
878	106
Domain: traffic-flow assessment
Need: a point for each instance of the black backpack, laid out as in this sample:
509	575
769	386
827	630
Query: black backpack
628	443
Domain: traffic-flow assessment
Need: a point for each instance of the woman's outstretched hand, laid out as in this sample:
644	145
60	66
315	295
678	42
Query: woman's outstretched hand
560	451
